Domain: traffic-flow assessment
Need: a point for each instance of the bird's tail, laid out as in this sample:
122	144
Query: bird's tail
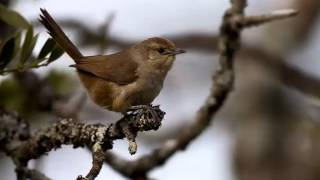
59	36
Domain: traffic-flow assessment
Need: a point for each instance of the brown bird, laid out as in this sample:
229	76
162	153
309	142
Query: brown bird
123	80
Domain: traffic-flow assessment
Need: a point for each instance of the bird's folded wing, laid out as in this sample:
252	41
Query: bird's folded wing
116	68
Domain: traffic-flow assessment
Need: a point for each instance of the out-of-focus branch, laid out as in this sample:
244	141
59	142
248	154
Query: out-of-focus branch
25	173
276	15
287	74
303	24
93	37
274	150
306	21
288	36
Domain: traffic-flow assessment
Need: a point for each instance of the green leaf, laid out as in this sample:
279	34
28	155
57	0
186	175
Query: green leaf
28	45
7	53
47	48
33	43
17	49
13	18
17	43
56	53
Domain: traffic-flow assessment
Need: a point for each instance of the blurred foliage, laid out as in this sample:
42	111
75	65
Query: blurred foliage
15	97
61	82
13	18
11	96
16	55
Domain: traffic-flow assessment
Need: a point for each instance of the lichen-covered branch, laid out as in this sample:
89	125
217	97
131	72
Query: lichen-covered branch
17	142
98	158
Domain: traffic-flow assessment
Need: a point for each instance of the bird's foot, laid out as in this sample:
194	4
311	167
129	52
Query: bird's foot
146	110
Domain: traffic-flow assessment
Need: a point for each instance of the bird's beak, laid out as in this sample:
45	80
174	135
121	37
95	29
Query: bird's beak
175	52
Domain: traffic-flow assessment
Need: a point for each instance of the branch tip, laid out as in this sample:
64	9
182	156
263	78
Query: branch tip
250	21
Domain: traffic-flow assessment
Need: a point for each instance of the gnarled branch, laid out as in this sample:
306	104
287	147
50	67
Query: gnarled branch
17	142
229	43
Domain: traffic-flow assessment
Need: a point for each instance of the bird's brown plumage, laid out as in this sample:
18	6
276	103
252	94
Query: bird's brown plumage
103	67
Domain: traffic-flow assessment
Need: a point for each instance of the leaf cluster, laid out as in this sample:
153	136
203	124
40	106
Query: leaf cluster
16	52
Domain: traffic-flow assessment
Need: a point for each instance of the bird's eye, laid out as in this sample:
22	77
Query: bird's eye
161	50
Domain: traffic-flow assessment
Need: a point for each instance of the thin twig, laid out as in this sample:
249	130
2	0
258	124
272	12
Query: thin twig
275	15
23	68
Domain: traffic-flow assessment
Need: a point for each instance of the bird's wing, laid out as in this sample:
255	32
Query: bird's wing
118	68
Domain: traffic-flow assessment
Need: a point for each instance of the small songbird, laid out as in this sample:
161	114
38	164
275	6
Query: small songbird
123	80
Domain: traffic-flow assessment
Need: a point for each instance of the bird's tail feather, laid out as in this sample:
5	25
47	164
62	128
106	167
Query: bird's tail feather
59	36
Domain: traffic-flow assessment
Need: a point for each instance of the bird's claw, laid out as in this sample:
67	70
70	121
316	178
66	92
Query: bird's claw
140	110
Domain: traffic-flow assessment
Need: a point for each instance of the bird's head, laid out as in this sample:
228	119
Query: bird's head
158	52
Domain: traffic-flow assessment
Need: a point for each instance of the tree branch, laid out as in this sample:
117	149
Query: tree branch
229	41
97	162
